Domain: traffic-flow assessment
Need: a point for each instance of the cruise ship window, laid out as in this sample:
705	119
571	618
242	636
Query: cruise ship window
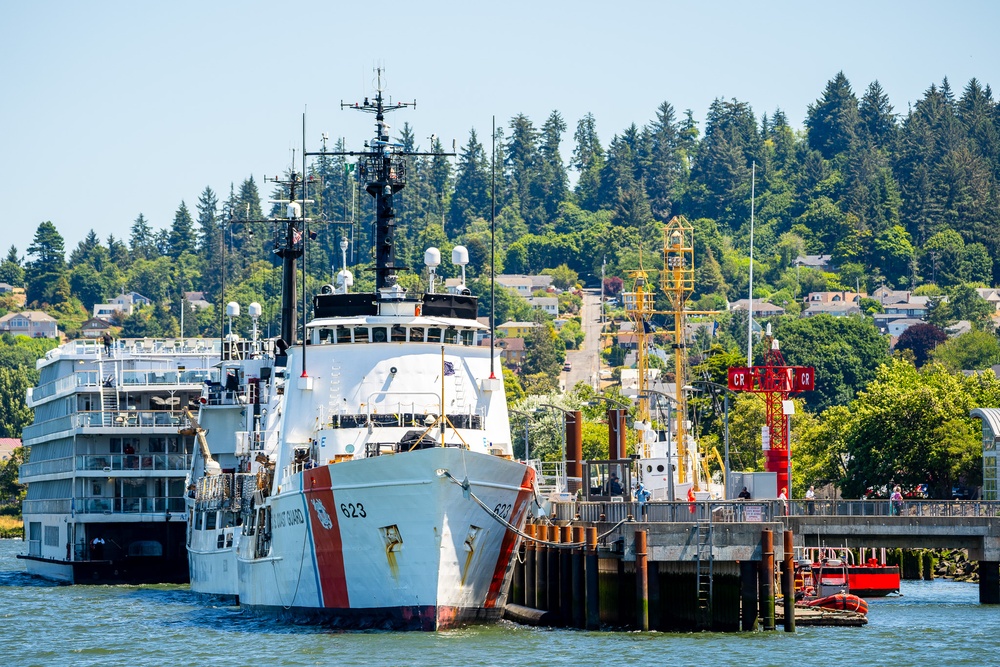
416	334
451	335
399	334
434	335
116	445
361	335
468	336
379	335
157	446
343	335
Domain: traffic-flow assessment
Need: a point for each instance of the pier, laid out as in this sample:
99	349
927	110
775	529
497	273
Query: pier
713	565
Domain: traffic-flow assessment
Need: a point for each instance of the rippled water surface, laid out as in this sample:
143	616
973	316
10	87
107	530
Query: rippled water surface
935	624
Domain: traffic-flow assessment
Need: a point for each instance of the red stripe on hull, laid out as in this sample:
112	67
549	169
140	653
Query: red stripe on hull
327	545
873	581
510	539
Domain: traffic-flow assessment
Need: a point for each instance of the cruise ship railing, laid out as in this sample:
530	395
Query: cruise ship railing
130	419
47	467
133	462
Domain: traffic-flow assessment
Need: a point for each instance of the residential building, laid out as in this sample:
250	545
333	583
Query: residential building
523	284
7	447
548	304
818	262
885	296
197	300
95	327
760	308
896	328
515	329
512	350
123	303
31	323
834	308
915	307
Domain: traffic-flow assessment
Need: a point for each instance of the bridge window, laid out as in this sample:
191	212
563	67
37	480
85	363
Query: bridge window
451	335
468	336
343	334
325	336
361	334
417	335
379	335
434	335
399	334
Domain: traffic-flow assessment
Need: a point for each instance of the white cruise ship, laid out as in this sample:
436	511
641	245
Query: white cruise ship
106	465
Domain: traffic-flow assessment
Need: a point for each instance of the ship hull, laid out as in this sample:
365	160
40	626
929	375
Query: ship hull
388	542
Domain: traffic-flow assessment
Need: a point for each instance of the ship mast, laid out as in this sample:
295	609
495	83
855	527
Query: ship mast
382	168
288	244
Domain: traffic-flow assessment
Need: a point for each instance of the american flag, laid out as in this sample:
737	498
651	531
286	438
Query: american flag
296	236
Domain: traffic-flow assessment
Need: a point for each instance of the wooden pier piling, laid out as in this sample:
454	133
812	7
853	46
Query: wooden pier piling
566	578
579	612
592	581
529	568
749	599
989	582
766	580
641	582
788	581
552	577
541	569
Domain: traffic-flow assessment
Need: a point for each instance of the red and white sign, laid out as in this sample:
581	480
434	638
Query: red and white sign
740	379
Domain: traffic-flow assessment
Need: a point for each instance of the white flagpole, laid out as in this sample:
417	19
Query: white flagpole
753	178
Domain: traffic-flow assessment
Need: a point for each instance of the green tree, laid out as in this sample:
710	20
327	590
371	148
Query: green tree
141	240
48	266
11	270
832	121
971	351
912	427
563	277
845	351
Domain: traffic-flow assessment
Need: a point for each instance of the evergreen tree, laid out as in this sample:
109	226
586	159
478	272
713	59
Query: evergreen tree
877	120
142	242
471	197
553	184
524	168
210	239
11	271
832	121
182	237
48	265
588	160
667	169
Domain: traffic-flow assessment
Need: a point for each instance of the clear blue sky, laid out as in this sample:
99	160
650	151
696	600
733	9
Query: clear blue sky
109	109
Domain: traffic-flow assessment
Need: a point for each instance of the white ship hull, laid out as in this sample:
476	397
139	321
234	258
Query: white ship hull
389	542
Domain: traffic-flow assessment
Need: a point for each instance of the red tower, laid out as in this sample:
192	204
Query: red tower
776	381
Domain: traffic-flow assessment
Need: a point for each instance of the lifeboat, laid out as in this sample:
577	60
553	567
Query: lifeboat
840	602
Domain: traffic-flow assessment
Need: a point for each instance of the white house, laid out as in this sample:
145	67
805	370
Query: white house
31	323
123	303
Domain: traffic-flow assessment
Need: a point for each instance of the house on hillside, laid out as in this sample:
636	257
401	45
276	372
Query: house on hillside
515	329
95	327
548	304
818	262
31	323
197	300
125	304
761	309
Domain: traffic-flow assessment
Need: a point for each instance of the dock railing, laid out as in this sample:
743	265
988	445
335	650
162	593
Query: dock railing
756	511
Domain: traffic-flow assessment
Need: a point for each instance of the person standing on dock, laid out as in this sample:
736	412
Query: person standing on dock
783	500
811	501
744	494
896	499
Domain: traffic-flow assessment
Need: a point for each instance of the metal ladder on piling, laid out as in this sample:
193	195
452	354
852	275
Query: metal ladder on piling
703	611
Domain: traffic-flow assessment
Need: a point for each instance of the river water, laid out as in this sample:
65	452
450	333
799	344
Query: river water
937	624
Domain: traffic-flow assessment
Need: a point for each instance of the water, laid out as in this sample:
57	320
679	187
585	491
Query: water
936	623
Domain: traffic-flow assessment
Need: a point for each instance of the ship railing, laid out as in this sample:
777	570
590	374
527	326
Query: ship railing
133	462
550	475
130	418
47	467
146	505
915	507
47	506
402	419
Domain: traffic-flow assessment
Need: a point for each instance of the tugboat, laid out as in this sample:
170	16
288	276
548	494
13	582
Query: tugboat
385	493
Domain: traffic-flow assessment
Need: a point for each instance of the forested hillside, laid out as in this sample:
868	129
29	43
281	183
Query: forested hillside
908	200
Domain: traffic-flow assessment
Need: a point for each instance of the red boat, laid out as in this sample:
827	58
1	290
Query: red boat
826	584
870	579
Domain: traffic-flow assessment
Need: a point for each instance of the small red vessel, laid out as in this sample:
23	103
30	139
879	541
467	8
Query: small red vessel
871	578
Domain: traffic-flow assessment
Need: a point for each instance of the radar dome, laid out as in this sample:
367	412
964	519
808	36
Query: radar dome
255	310
460	255
432	257
233	309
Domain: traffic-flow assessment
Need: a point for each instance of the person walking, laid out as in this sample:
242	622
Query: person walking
896	500
106	339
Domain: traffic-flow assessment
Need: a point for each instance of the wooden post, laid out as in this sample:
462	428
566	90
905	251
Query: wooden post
593	597
529	568
641	582
517	584
766	579
579	600
553	571
748	595
542	569
788	582
566	578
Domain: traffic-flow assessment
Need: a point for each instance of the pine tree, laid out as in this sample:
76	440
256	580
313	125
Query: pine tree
11	271
182	236
832	121
877	120
667	169
48	265
588	160
471	197
141	241
553	186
